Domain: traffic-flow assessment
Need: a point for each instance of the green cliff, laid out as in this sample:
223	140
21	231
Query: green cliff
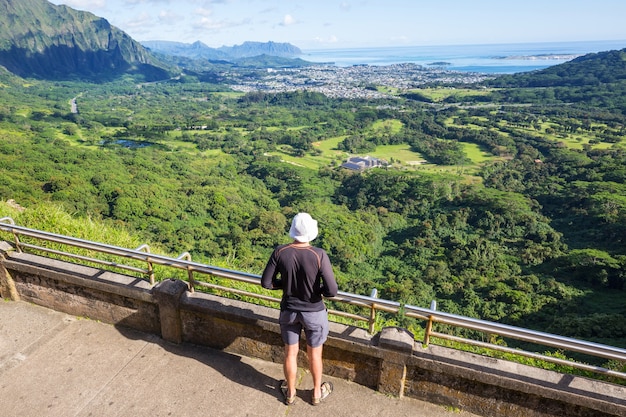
39	39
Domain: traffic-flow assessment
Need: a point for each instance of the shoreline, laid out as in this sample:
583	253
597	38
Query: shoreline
490	58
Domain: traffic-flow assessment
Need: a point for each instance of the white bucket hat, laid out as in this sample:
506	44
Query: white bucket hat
303	228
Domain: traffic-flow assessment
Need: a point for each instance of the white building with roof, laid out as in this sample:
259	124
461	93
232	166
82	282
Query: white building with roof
361	163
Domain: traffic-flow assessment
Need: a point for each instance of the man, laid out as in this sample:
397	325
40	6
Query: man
305	275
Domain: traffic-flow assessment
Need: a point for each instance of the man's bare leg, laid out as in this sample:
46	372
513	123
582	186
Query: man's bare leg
316	366
290	368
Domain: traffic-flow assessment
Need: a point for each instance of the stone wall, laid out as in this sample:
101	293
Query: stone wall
390	361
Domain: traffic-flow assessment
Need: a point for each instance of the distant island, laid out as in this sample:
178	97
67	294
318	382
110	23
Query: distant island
565	57
439	64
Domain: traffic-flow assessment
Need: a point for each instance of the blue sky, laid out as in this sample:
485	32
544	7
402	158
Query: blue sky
329	24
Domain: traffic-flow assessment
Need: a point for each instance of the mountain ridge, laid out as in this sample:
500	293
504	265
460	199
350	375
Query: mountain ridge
591	69
41	40
199	50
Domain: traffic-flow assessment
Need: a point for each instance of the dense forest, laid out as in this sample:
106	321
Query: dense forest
530	233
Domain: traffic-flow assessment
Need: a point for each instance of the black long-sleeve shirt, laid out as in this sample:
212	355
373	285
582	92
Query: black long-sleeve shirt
305	276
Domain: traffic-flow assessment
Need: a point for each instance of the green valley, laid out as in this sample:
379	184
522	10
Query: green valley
504	203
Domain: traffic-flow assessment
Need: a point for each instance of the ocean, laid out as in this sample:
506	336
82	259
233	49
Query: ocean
490	59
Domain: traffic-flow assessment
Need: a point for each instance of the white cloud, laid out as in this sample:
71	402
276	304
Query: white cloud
201	11
140	22
205	23
288	20
206	20
169	17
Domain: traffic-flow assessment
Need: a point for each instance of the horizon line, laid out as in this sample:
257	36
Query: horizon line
339	47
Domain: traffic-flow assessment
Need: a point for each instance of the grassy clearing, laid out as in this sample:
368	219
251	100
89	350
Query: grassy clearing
572	140
228	94
452	122
393	126
401	156
330	145
401	153
329	154
577	141
476	154
384	89
440	94
469	172
307	161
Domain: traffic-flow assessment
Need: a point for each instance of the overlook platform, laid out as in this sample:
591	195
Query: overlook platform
53	364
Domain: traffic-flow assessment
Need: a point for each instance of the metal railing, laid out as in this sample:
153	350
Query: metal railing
371	303
183	262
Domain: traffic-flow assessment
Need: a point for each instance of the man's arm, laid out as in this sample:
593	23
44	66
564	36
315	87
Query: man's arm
267	279
329	286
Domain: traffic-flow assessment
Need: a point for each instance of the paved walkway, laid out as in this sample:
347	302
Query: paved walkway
53	364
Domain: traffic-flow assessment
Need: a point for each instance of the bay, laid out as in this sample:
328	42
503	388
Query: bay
487	58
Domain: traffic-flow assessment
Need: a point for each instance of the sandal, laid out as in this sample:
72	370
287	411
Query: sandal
285	389
327	388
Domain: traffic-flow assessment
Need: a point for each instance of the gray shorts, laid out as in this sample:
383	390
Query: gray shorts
314	323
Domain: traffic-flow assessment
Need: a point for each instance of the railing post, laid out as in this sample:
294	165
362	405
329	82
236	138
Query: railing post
429	325
17	243
17	240
372	322
146	249
7	285
192	283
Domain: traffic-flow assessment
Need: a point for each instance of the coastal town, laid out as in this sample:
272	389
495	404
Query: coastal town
353	82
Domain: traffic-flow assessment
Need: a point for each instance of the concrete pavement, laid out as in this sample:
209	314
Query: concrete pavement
53	364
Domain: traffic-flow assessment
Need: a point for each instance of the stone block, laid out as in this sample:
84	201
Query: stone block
396	338
167	294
